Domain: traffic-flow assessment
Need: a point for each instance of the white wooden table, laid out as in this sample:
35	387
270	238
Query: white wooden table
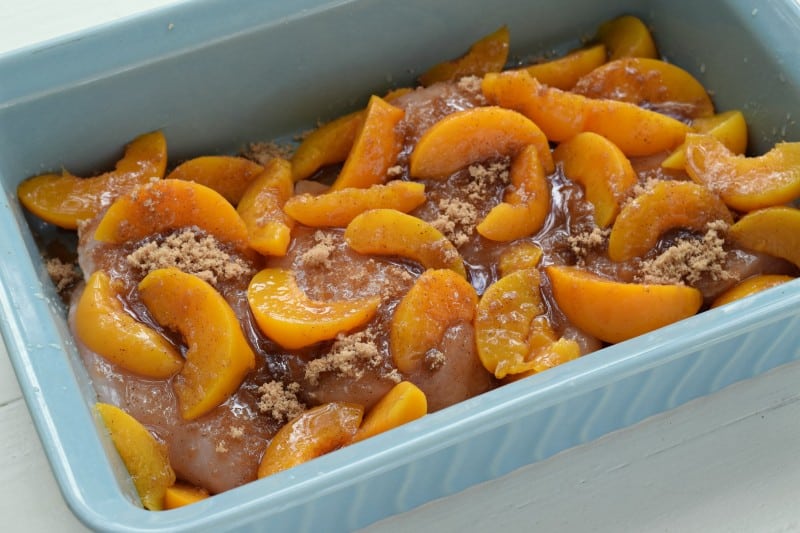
729	462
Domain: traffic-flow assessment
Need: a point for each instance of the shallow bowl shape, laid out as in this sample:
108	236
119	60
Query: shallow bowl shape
215	75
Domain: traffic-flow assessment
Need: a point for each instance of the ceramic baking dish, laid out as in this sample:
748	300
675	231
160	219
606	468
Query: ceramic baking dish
215	75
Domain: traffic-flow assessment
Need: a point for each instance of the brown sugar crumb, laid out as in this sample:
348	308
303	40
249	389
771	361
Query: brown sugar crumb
486	178
688	260
319	255
456	220
64	275
236	432
263	152
394	171
582	243
192	253
280	401
222	447
348	357
434	359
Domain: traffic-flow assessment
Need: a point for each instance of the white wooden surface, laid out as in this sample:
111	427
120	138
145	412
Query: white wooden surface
727	463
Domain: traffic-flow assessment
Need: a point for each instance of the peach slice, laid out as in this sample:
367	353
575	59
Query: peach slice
181	494
218	356
168	205
261	208
318	431
285	314
526	202
564	72
488	54
326	145
601	168
750	286
729	127
509	339
103	325
473	135
375	148
627	36
648	82
773	230
146	458
390	232
666	205
614	311
745	183
228	175
403	403
339	208
519	256
438	300
64	199
562	115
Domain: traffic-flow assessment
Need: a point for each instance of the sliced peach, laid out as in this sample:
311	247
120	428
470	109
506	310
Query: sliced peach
285	314
750	286
667	205
562	115
648	82
438	300
526	203
228	175
509	339
218	356
326	145
318	431
519	256
261	208
403	403
488	54
375	148
729	127
745	183
339	208
390	232
64	199
614	311
564	72
145	457
168	205
473	135
181	494
601	168
774	231
627	36
103	325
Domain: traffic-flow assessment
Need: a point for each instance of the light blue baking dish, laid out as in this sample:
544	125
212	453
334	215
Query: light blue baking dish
217	74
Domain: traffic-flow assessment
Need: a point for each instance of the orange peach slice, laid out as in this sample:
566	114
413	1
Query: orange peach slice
614	311
473	135
146	458
228	175
168	205
526	203
519	256
774	231
750	286
403	403
564	72
181	494
438	300
729	127
648	82
667	205
64	199
508	337
103	325
390	232
627	36
601	168
488	54
339	208
318	431
286	315
562	115
218	356
326	145
745	183
261	209
375	148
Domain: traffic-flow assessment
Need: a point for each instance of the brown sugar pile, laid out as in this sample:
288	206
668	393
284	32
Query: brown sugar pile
349	356
319	255
64	275
192	253
582	243
263	152
280	401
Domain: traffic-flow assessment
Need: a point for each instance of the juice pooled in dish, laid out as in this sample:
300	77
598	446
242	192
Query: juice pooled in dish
240	315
